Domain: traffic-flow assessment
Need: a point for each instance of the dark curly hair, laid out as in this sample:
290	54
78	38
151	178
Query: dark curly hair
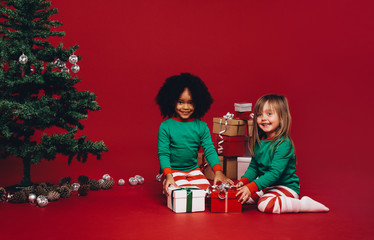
173	87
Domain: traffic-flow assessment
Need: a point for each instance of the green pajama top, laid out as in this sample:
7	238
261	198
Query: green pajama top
179	142
273	165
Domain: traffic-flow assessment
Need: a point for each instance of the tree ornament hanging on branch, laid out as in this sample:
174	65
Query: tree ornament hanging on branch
23	59
75	68
73	59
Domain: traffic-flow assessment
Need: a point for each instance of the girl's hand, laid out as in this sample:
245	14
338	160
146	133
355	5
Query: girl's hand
220	177
169	180
244	193
239	184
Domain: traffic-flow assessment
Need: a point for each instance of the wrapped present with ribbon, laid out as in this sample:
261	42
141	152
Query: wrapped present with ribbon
228	126
186	199
223	199
242	110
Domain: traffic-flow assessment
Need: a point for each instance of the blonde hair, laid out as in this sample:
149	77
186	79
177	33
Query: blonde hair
280	105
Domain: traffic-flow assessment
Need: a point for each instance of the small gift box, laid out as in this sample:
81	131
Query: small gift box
205	168
229	127
243	107
223	199
186	199
243	164
231	146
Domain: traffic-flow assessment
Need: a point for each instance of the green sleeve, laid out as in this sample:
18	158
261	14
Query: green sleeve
164	146
207	144
278	165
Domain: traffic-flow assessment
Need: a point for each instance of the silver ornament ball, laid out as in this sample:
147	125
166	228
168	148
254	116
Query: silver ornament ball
133	181
159	177
60	64
73	59
140	179
65	69
42	201
101	181
9	196
75	187
75	68
107	177
32	197
121	182
23	59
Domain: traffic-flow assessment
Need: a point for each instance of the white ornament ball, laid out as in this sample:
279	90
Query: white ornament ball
9	196
42	201
140	179
107	177
133	181
75	187
101	181
23	59
121	182
75	68
73	59
60	64
159	177
65	70
32	197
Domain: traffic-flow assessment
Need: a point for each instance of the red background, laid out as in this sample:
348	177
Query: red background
319	54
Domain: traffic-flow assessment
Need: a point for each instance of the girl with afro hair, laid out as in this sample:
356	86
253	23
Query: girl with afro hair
183	100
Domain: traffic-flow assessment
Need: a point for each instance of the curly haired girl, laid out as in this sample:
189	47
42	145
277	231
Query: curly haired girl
184	99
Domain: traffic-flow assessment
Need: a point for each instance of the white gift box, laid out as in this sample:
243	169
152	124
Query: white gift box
243	107
186	199
243	164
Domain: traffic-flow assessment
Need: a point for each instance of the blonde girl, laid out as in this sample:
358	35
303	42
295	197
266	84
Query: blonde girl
271	180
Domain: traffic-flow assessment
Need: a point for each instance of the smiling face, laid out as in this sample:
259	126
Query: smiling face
268	120
184	108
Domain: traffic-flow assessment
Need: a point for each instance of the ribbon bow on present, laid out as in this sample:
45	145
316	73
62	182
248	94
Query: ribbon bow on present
222	189
219	144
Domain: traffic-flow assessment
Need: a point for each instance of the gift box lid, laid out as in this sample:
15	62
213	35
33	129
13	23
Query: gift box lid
244	159
182	192
234	122
243	107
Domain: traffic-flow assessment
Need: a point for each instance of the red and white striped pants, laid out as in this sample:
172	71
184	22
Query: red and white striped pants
278	199
190	178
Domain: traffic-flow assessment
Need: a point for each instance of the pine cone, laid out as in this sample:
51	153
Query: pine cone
83	180
107	184
40	191
65	191
47	186
83	190
53	196
2	194
18	197
65	181
94	185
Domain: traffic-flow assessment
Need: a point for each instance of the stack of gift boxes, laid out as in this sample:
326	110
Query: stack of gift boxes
233	133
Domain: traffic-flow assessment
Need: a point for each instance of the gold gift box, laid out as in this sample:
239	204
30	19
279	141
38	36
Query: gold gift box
234	127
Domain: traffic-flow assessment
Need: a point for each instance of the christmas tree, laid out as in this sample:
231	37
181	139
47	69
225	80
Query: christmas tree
37	90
